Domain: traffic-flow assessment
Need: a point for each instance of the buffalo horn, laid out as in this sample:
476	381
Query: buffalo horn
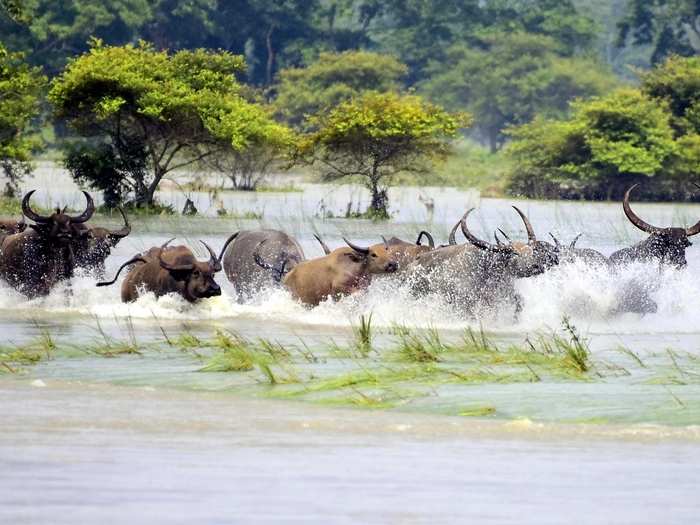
89	210
573	243
213	261
165	244
358	249
451	239
325	247
531	237
470	236
386	243
127	263
423	233
228	241
31	214
693	230
556	241
124	231
634	219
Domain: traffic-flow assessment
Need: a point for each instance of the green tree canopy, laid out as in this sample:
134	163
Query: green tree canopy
21	87
377	135
510	78
179	108
606	145
669	26
334	78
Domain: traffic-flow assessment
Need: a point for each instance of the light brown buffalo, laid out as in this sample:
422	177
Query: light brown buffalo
342	272
170	269
11	227
403	252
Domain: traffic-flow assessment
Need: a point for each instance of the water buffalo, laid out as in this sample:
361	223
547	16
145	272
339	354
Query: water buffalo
341	272
96	245
170	269
401	251
665	245
281	251
571	254
479	276
34	260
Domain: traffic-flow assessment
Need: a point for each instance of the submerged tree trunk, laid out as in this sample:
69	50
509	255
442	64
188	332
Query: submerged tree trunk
379	207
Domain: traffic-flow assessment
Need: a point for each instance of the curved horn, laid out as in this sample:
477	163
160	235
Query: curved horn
451	239
386	243
123	232
213	261
165	244
695	229
325	247
357	248
228	241
423	233
276	275
471	237
573	243
89	210
531	237
633	218
31	214
556	241
497	238
127	263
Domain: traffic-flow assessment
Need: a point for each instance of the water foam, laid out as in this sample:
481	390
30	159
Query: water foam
590	296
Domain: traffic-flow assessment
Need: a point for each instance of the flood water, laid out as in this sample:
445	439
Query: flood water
148	438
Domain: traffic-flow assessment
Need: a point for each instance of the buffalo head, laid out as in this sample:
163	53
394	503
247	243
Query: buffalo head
665	244
59	227
521	259
378	258
196	277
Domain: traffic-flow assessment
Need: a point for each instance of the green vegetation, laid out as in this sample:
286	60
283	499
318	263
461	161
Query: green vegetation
334	78
509	78
648	135
164	111
375	136
20	90
139	93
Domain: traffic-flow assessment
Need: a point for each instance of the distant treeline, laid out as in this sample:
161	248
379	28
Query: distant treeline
246	86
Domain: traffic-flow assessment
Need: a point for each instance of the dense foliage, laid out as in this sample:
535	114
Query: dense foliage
510	78
648	135
20	89
179	109
334	78
377	135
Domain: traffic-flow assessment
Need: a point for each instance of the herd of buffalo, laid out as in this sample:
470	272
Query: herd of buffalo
473	276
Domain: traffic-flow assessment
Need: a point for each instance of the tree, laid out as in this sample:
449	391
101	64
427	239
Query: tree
606	145
21	87
509	79
377	135
334	78
179	108
669	26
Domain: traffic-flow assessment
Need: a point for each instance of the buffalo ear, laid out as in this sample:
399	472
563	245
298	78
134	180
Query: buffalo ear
356	257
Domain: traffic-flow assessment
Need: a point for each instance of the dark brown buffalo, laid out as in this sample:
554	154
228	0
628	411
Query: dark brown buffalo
170	269
281	252
342	272
35	260
96	245
665	245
